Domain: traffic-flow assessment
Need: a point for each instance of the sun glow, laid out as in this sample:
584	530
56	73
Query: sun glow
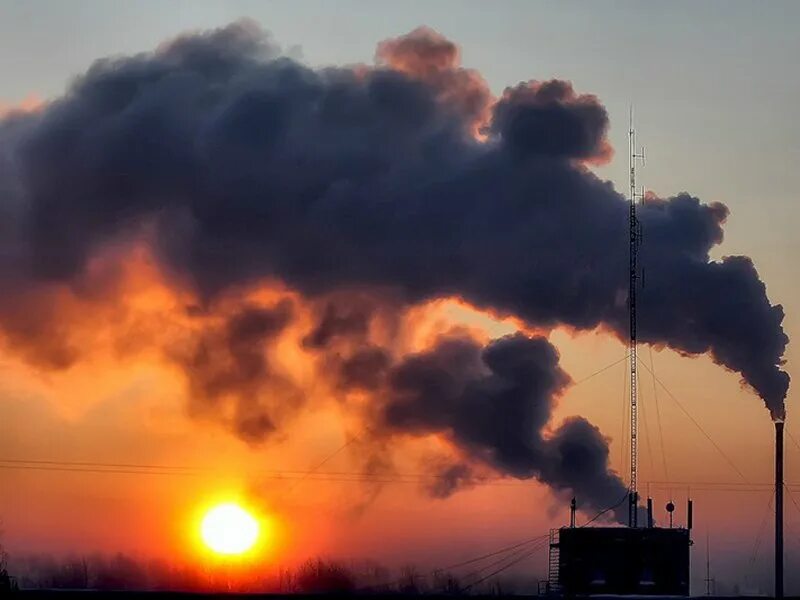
229	529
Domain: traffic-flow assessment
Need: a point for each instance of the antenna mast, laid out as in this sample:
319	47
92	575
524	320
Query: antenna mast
710	583
635	241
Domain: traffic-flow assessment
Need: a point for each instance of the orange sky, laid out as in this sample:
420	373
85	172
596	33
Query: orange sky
131	408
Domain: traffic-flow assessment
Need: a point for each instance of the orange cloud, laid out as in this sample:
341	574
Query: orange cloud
29	104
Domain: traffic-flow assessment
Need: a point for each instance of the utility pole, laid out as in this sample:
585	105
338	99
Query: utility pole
779	509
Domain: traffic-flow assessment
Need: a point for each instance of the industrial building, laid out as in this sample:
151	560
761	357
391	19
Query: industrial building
620	561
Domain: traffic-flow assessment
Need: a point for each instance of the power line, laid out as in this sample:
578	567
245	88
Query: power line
761	530
91	470
604	511
457	565
763	484
701	488
791	437
292	476
99	464
501	560
625	429
491	554
696	424
501	569
646	437
336	476
599	371
658	415
319	465
791	497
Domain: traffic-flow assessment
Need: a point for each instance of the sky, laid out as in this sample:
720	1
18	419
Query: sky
714	88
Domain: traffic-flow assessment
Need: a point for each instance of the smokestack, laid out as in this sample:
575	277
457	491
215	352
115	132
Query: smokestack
650	512
689	515
778	509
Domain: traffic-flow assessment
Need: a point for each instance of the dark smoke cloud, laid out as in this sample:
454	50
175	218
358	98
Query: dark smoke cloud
252	165
427	55
550	119
240	165
494	402
364	369
337	321
229	363
447	479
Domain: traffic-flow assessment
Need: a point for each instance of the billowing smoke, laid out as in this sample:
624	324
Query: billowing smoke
409	180
430	57
494	402
227	361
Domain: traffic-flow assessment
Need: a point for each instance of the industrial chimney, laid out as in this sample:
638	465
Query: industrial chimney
778	509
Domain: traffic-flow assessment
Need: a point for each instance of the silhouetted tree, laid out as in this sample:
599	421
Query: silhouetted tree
373	576
445	582
7	583
317	576
71	574
119	573
410	581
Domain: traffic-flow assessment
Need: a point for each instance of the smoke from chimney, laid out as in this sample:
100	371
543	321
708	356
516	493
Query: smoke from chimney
241	165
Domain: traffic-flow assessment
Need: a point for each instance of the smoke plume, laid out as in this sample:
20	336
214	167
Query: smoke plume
228	361
494	402
408	180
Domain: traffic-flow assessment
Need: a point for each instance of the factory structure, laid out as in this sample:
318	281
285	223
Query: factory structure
642	559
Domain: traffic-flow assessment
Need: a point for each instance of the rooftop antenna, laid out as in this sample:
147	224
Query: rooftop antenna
635	241
710	583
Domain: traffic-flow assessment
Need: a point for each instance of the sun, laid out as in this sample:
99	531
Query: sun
229	529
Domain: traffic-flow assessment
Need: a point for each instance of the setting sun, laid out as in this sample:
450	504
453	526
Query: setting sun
229	529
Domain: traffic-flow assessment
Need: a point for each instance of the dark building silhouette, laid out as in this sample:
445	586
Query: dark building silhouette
620	560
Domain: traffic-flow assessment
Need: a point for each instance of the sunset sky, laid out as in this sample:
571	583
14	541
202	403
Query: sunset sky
715	91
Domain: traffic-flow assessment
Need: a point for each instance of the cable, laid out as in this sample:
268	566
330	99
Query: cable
717	489
97	464
658	416
647	442
491	554
319	466
507	556
761	530
696	424
89	470
470	561
344	476
763	485
350	476
603	370
355	478
604	511
625	428
791	437
501	569
791	497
